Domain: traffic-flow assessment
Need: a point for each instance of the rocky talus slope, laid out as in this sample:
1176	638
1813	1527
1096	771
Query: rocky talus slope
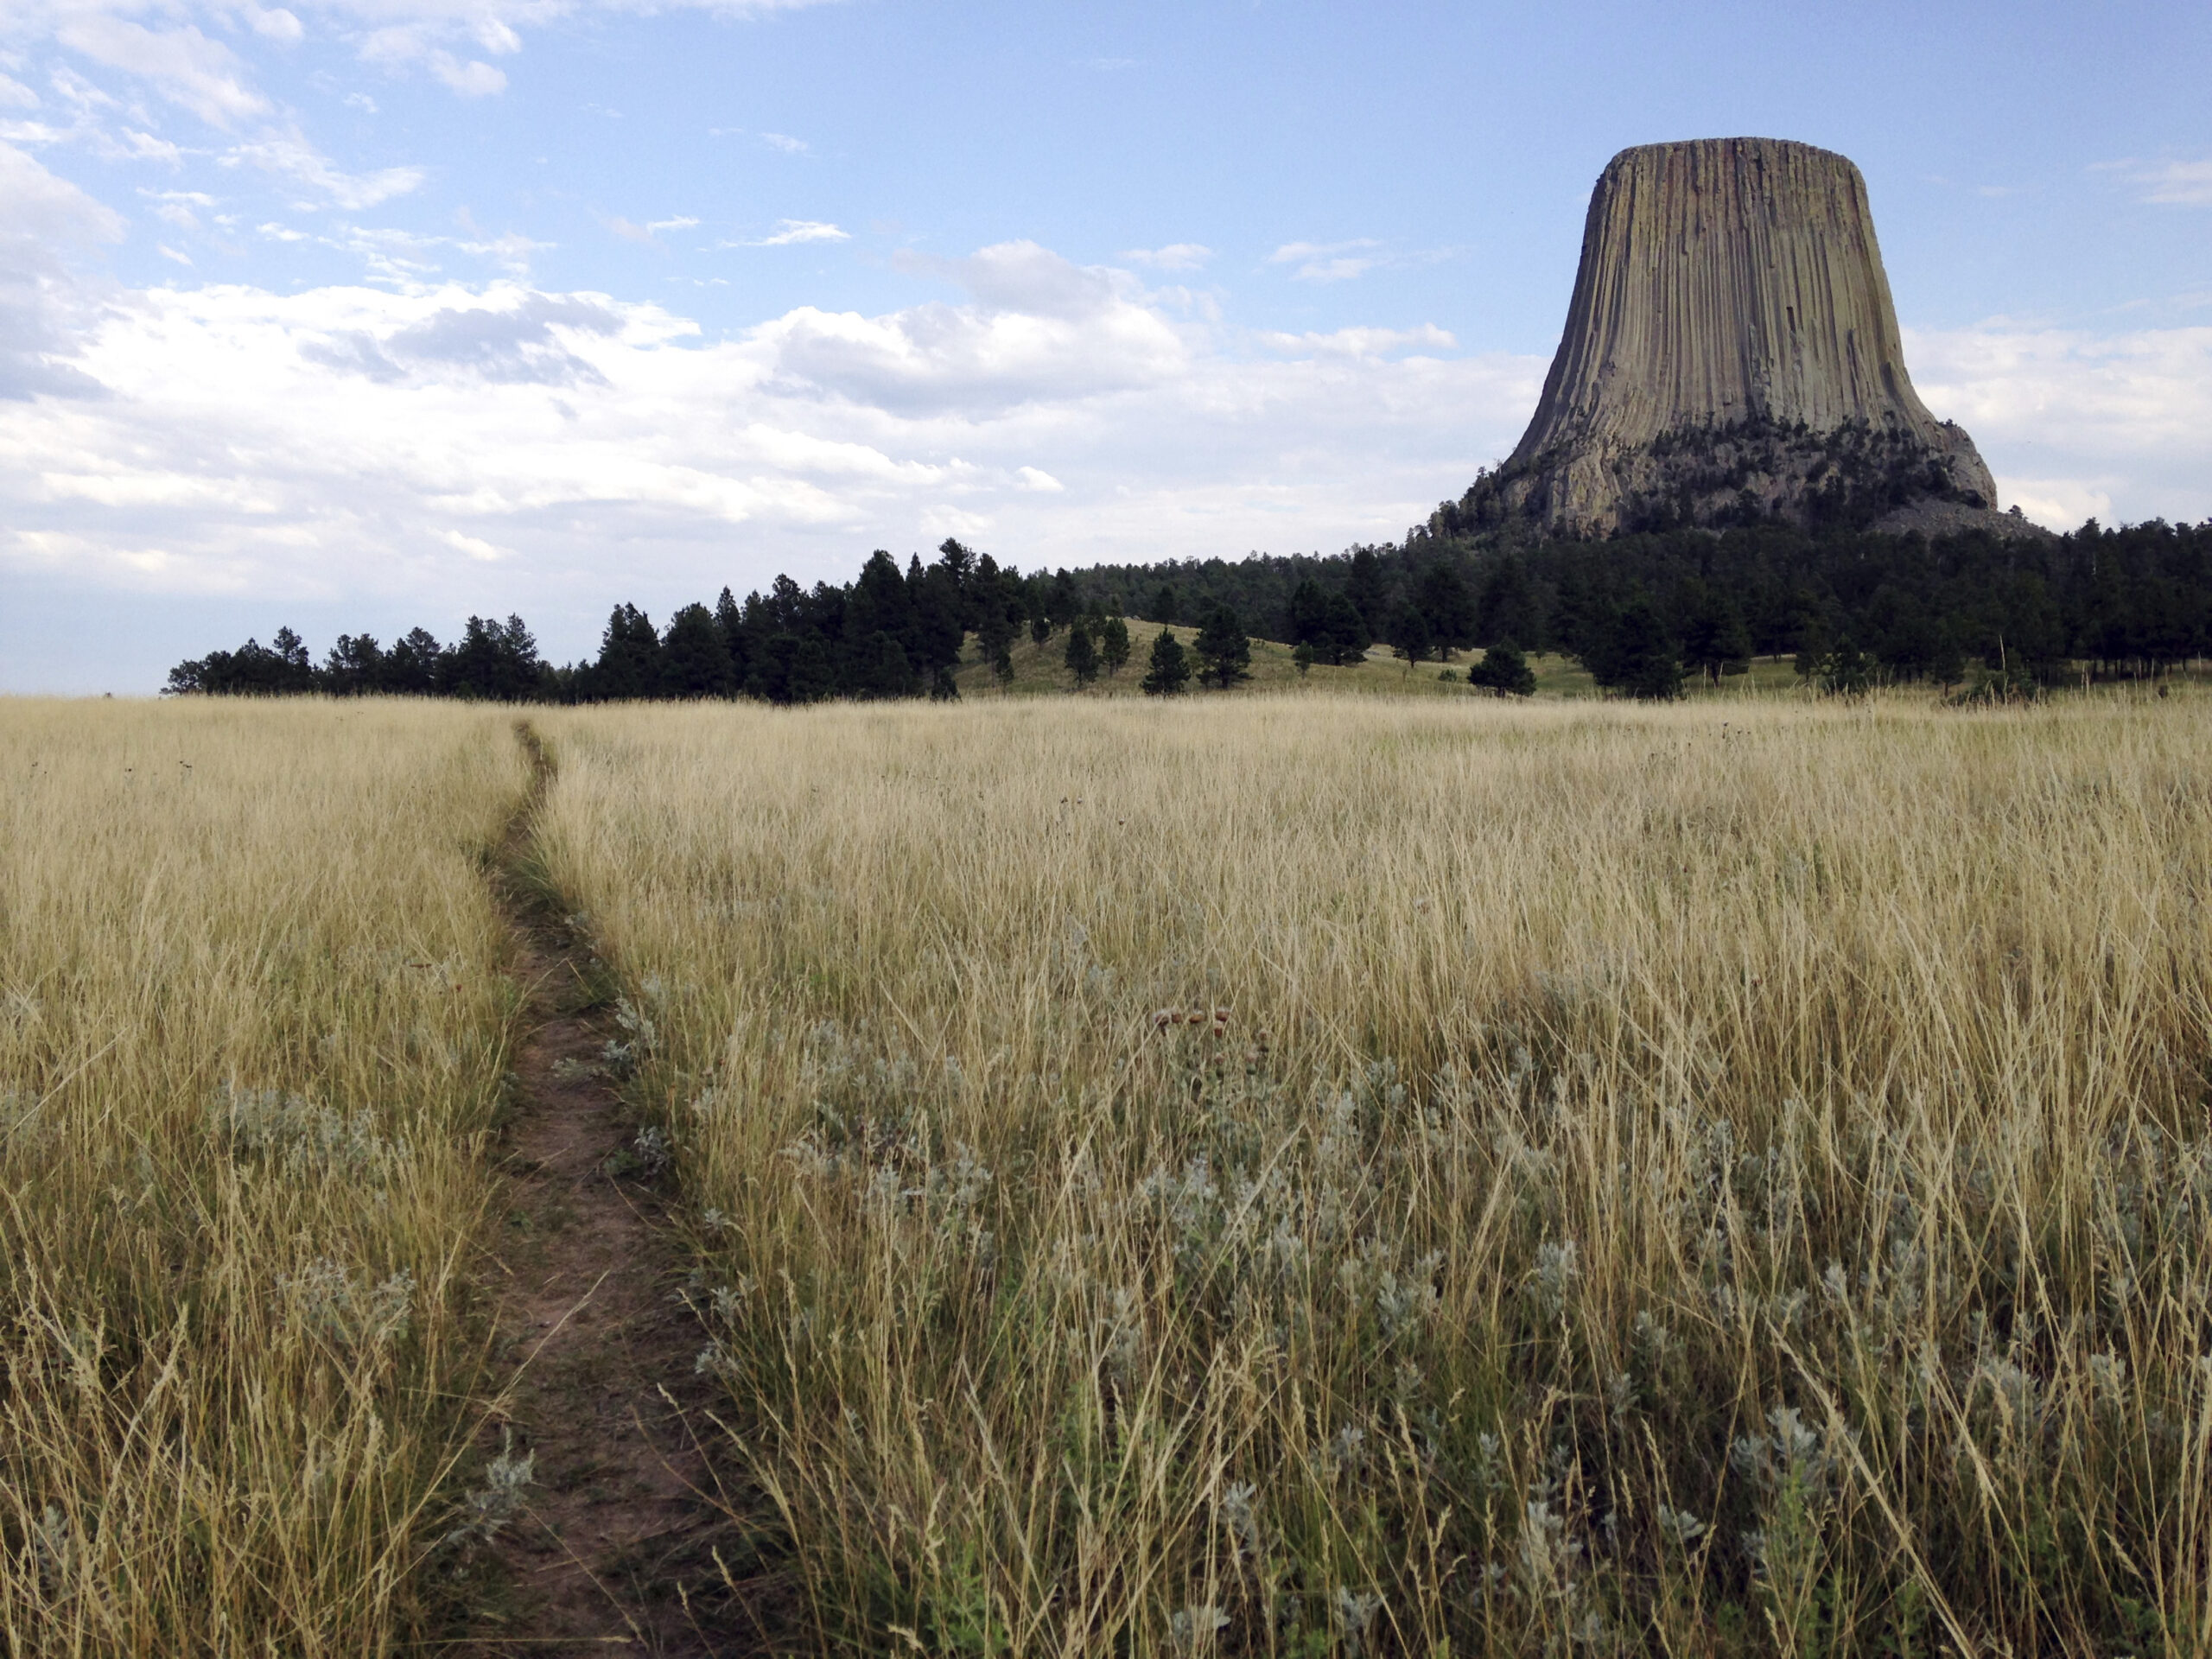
1731	353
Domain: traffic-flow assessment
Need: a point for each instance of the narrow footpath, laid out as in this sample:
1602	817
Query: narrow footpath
616	1545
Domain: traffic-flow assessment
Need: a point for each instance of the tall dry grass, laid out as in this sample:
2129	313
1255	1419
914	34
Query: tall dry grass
1291	1176
252	1030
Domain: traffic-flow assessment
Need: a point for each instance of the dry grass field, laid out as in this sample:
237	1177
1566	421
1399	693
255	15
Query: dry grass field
1286	1173
1298	1175
252	1029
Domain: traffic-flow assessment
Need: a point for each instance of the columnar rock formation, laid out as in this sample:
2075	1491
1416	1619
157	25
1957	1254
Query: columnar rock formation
1731	353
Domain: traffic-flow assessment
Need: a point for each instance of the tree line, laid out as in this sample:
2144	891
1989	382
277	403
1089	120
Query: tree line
888	633
1643	612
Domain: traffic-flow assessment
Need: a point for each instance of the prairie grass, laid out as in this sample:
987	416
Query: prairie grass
252	1032
1297	1175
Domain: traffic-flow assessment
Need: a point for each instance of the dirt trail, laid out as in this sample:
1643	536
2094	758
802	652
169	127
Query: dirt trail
616	1545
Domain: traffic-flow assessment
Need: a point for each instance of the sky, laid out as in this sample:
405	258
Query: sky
358	315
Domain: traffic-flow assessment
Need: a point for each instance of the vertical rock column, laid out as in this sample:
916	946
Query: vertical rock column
1723	281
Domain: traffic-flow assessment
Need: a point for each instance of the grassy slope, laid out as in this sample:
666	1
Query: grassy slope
1038	669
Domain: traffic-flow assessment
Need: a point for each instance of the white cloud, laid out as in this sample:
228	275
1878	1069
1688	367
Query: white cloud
1054	413
276	24
2076	418
790	232
1329	262
168	252
1363	342
509	251
676	224
396	256
37	209
475	78
203	75
13	95
496	36
786	142
2183	183
291	157
1177	256
475	547
145	147
2059	503
44	220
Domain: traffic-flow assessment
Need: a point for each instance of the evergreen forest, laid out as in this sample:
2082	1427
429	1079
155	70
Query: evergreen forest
1643	612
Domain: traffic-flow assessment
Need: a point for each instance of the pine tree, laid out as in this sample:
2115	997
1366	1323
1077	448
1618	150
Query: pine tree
1640	658
521	676
1082	656
290	650
1344	631
410	668
810	678
1409	634
1715	642
731	621
1170	670
1446	607
1225	654
1113	645
1847	670
1949	666
1063	600
1365	587
1507	609
629	658
1309	613
885	669
354	667
1813	645
695	656
996	628
1505	671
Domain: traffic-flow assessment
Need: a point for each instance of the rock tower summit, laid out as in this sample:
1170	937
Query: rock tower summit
1731	353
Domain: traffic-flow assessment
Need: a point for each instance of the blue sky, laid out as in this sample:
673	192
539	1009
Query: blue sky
369	313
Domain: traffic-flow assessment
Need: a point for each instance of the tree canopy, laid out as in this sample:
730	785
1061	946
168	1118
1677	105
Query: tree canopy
2132	601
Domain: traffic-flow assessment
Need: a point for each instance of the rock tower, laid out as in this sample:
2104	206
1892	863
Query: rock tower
1732	353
